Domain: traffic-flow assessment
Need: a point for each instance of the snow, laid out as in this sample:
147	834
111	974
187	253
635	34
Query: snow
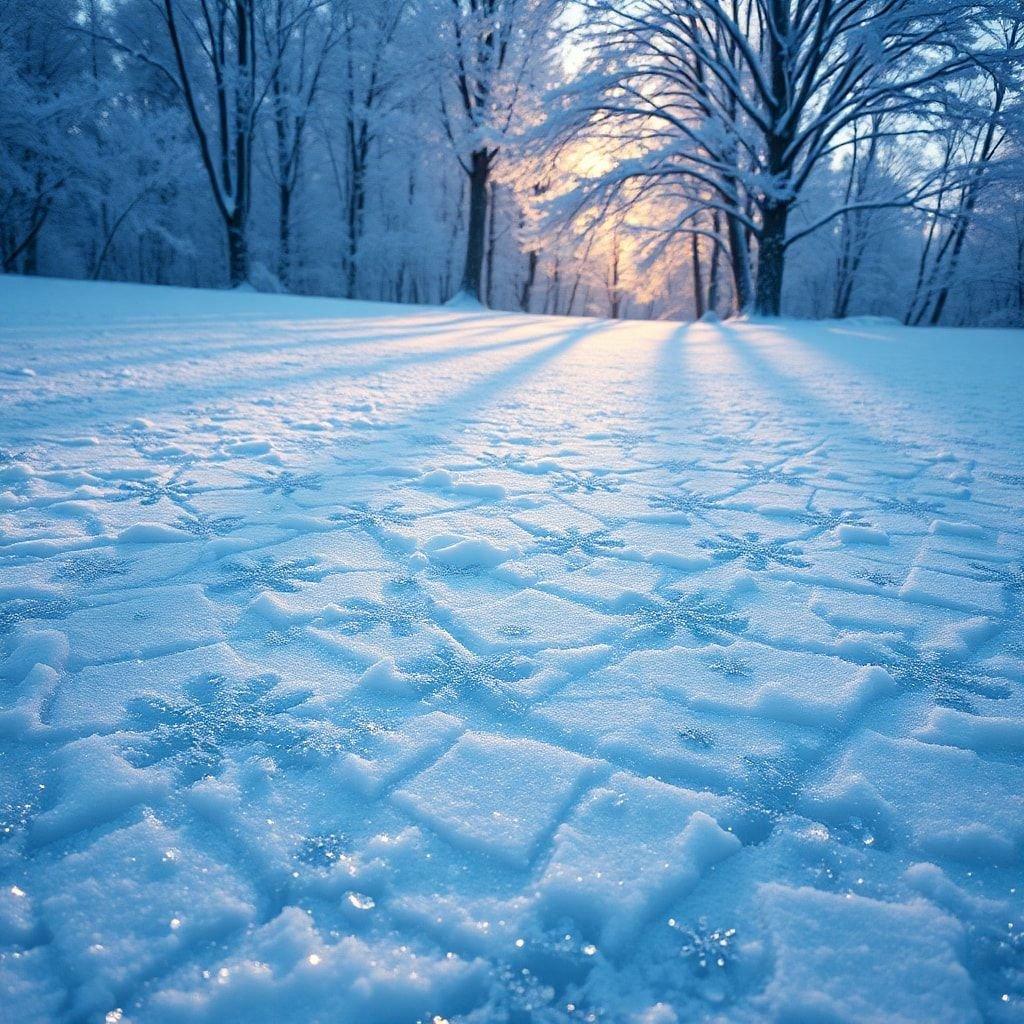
889	786
497	795
859	959
666	839
383	664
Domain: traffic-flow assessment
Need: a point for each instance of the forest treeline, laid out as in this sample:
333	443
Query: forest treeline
640	158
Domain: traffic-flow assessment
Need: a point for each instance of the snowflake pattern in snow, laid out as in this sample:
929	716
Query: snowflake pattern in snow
193	732
707	618
373	520
91	569
26	609
263	573
688	502
577	543
948	682
151	492
754	551
286	482
199	524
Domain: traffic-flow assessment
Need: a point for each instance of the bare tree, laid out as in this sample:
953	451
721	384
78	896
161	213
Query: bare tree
208	53
370	80
298	37
975	137
486	51
737	104
42	94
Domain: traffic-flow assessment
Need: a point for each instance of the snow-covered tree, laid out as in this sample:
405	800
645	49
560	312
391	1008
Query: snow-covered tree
635	157
734	106
483	57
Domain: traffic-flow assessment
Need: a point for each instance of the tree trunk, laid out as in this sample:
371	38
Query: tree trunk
554	290
712	303
30	265
1020	276
238	251
284	237
698	283
845	289
739	258
238	243
771	260
614	296
531	276
492	208
959	235
472	273
356	204
771	253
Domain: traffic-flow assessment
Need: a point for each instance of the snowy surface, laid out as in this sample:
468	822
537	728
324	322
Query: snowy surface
361	663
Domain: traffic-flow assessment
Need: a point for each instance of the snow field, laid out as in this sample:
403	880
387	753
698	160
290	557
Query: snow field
366	663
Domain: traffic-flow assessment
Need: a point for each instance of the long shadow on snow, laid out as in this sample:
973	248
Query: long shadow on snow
484	391
190	394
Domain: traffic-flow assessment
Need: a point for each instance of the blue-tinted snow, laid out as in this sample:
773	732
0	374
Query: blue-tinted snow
361	663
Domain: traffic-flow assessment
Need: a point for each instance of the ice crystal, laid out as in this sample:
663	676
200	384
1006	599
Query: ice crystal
694	737
729	665
706	949
200	524
948	682
359	733
680	465
684	501
453	676
878	577
572	482
18	809
629	440
365	517
829	519
909	506
771	785
770	475
1015	479
1009	576
501	460
322	850
24	609
90	569
283	637
400	616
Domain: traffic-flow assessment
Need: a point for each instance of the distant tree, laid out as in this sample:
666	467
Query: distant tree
974	135
658	157
484	52
372	79
297	38
738	104
207	49
44	93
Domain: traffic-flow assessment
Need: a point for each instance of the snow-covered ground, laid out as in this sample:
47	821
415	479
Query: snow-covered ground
366	663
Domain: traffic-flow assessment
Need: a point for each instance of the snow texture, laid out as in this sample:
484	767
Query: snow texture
371	664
